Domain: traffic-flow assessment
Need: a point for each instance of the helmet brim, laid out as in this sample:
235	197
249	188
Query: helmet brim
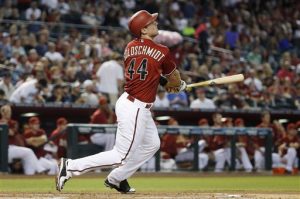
154	17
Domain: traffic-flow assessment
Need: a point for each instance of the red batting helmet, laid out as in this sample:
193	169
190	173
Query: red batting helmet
140	20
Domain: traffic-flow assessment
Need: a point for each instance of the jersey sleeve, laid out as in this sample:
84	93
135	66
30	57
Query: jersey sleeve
168	65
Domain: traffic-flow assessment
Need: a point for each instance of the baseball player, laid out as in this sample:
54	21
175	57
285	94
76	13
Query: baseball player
16	145
35	138
219	145
137	137
287	150
259	141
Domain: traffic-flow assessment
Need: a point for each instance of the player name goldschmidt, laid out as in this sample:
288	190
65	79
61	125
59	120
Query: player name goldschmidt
144	50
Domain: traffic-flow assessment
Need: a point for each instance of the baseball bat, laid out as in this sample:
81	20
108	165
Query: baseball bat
222	80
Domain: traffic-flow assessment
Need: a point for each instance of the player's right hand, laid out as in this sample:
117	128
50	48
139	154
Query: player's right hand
178	89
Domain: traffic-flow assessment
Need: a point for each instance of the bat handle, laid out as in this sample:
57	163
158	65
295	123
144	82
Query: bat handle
188	88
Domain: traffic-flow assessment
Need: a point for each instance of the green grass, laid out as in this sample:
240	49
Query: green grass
270	184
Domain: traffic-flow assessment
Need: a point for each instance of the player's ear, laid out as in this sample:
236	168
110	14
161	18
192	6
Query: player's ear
144	31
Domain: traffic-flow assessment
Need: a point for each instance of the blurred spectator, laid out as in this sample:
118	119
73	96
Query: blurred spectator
7	86
3	99
36	138
33	13
161	100
228	41
42	47
231	37
63	7
202	102
17	46
254	57
285	67
253	82
57	96
178	100
33	58
29	92
89	17
53	55
110	77
75	93
5	45
50	4
83	73
88	96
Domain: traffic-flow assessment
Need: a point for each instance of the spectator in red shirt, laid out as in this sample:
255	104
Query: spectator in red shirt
285	71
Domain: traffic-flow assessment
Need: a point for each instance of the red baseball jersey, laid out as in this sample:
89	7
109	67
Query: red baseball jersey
168	144
60	141
39	151
144	61
101	117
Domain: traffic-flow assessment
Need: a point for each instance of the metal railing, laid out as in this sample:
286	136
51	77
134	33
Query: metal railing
75	129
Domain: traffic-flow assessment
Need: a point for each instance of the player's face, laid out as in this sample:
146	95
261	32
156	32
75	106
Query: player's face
35	126
152	29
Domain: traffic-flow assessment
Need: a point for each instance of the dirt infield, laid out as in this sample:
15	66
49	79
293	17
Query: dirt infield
150	196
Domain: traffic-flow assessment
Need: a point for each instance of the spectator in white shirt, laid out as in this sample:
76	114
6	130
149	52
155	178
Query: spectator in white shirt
33	13
202	102
52	54
253	82
161	99
88	97
29	92
63	7
7	86
50	4
110	78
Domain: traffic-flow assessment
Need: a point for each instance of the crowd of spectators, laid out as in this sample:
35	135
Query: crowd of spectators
45	63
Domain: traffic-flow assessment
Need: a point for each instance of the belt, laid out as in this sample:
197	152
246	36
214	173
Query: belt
132	99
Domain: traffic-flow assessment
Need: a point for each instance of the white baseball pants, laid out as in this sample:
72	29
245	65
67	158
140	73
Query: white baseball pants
259	159
30	163
289	160
137	141
244	158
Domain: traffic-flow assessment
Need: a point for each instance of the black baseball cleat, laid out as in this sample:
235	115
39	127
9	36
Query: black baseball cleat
62	176
123	187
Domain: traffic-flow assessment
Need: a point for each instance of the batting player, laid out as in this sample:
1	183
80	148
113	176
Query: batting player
137	137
